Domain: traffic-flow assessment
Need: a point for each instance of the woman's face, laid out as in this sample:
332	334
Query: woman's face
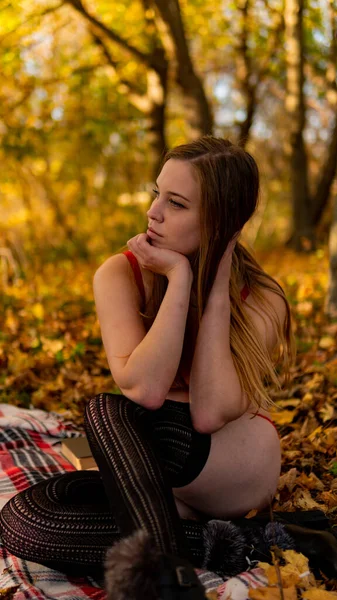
174	213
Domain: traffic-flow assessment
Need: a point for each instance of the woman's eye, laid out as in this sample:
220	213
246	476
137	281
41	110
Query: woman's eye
176	203
173	202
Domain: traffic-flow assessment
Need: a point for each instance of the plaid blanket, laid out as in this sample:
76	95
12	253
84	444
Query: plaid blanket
30	450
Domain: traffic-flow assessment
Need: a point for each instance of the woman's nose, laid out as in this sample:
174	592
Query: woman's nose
155	212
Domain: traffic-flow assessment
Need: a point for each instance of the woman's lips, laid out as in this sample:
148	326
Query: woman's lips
151	233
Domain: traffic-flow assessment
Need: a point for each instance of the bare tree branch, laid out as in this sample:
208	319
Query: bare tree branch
110	60
31	17
78	6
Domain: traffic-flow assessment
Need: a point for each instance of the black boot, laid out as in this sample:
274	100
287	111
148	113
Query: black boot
311	534
320	547
178	580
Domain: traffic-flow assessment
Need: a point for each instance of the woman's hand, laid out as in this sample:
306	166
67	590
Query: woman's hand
224	269
158	260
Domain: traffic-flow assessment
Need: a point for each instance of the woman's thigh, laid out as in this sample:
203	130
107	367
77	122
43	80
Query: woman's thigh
241	472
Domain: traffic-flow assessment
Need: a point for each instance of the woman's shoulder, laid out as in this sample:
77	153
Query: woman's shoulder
263	297
125	266
116	262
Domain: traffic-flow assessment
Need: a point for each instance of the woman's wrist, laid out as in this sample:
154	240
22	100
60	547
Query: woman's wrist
219	294
182	271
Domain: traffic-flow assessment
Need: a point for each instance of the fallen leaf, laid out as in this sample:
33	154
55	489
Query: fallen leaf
308	398
318	594
326	342
304	308
288	480
295	572
327	412
290	402
251	513
329	498
213	595
302	499
284	417
273	593
297	560
312	482
8	593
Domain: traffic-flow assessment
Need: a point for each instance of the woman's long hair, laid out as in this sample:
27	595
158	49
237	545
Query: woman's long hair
229	183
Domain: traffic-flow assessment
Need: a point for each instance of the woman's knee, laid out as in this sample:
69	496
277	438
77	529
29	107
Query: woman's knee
22	523
97	406
111	405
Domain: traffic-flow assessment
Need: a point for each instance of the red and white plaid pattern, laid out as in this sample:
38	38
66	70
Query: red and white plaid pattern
30	444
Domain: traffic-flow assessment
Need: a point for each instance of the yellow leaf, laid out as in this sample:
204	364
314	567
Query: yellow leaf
273	593
297	560
311	482
289	402
305	308
318	594
12	323
288	480
284	417
327	412
38	310
149	13
288	575
251	513
308	398
326	342
213	595
52	346
315	433
302	499
329	498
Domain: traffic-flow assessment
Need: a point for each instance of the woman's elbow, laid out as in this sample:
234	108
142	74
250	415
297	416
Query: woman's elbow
207	423
148	399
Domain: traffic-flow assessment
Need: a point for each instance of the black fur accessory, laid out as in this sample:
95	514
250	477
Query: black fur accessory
135	570
231	549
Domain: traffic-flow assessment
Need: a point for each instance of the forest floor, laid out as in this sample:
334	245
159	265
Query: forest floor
51	357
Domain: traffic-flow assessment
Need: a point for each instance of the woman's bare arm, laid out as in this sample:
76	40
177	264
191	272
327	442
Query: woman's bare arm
215	391
146	374
216	396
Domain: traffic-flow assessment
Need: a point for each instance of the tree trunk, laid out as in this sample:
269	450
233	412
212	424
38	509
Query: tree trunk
303	231
331	299
197	109
157	91
328	173
329	168
244	73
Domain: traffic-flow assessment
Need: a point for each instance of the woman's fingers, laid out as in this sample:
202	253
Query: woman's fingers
140	247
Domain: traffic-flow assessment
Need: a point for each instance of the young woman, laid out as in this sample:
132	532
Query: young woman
193	329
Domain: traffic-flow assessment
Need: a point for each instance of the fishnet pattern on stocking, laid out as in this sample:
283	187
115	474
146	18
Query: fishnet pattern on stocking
69	521
139	495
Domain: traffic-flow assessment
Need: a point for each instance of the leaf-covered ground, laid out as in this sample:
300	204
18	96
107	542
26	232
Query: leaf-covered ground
51	357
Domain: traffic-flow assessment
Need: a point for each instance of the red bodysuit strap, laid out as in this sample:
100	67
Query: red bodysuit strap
137	272
245	292
139	279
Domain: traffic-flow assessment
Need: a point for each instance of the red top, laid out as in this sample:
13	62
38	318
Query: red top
139	279
136	269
